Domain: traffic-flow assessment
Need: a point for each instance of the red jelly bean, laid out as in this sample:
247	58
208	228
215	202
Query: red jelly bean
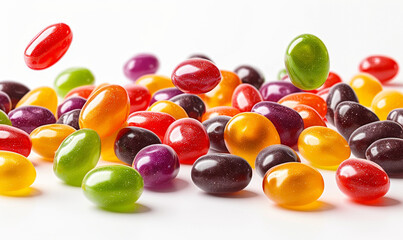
188	138
83	91
309	99
245	97
331	80
139	97
156	122
196	75
362	180
48	46
381	67
14	140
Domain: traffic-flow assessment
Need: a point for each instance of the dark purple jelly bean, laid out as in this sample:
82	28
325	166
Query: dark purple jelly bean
215	130
158	164
70	104
338	93
202	56
27	118
274	91
192	104
5	102
349	116
221	173
272	156
288	122
14	90
365	135
251	75
71	118
140	65
396	115
165	94
387	153
130	140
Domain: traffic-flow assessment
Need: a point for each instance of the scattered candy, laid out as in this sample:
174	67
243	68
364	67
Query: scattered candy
72	78
215	130
70	118
396	115
139	97
156	122
165	94
43	97
108	146
245	96
169	107
140	65
309	115
308	99
250	75
28	118
387	152
274	91
337	94
155	82
192	104
382	67
220	111
70	104
272	156
365	87
83	91
386	101
14	90
16	172
14	140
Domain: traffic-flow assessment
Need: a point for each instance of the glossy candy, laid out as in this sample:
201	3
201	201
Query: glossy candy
188	138
169	107
139	97
272	156
386	101
215	130
221	173
196	76
14	140
382	67
246	134
14	90
83	91
309	115
250	75
338	93
323	147
307	62
199	55
72	78
365	135
274	91
46	48
5	102
155	82
165	94
16	172
4	118
70	118
156	122
108	146
293	184
28	118
77	155
331	80
140	65
70	104
43	97
308	99
362	180
366	87
396	115
158	164
220	111
192	104
245	96
281	74
387	152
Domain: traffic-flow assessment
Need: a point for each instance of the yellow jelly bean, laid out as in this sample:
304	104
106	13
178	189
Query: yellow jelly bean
155	82
16	172
43	96
366	87
169	107
108	147
386	101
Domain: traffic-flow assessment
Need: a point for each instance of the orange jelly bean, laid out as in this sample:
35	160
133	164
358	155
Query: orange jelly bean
220	111
310	116
43	96
106	110
309	99
169	107
386	101
108	146
155	82
365	87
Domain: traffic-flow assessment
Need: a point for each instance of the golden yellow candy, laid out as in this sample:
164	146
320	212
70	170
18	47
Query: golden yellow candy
169	107
386	101
108	147
155	82
246	134
323	147
16	172
47	139
366	87
293	184
43	96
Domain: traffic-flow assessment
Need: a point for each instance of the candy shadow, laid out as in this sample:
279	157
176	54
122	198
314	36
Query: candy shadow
393	84
135	208
175	185
240	194
381	202
317	206
23	193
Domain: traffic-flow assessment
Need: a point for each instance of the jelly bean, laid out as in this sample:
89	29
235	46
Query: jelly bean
165	94
108	146
387	152
338	93
188	138
274	91
28	118
4	118
16	172
323	93
139	97
14	140
192	104
246	134
47	139
288	122
5	102
309	99
382	67
76	156
158	164
140	65
169	107
83	91
274	155
130	140
72	78
366	87
386	101
365	135
48	46
155	82
221	173
245	96
221	95
113	187
43	97
14	90
349	116
331	80
215	130
105	110
323	147
156	122
293	184
220	111
362	180
310	116
281	74
307	62
70	118
196	76
70	104
396	115
250	75
202	56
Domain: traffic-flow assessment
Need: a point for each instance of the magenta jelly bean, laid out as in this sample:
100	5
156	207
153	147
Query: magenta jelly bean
70	104
28	118
274	91
140	65
165	94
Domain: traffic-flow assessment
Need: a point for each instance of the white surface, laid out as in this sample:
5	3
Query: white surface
106	34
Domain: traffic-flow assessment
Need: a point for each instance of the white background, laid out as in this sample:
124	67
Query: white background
106	34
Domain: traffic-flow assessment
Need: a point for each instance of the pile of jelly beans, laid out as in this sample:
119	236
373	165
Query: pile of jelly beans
223	123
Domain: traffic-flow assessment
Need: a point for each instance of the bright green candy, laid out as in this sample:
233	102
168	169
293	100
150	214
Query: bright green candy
76	156
72	78
113	187
281	74
4	118
307	62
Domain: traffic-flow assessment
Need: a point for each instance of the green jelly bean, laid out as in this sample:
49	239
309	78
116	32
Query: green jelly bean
72	78
76	156
114	187
282	73
307	62
4	118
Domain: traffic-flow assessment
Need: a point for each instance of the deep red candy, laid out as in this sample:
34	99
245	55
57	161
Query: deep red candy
139	97
156	122
14	140
382	67
245	96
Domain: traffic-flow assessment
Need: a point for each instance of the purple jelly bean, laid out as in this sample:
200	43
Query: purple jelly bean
27	118
14	90
5	102
140	65
165	94
274	91
70	118
70	104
